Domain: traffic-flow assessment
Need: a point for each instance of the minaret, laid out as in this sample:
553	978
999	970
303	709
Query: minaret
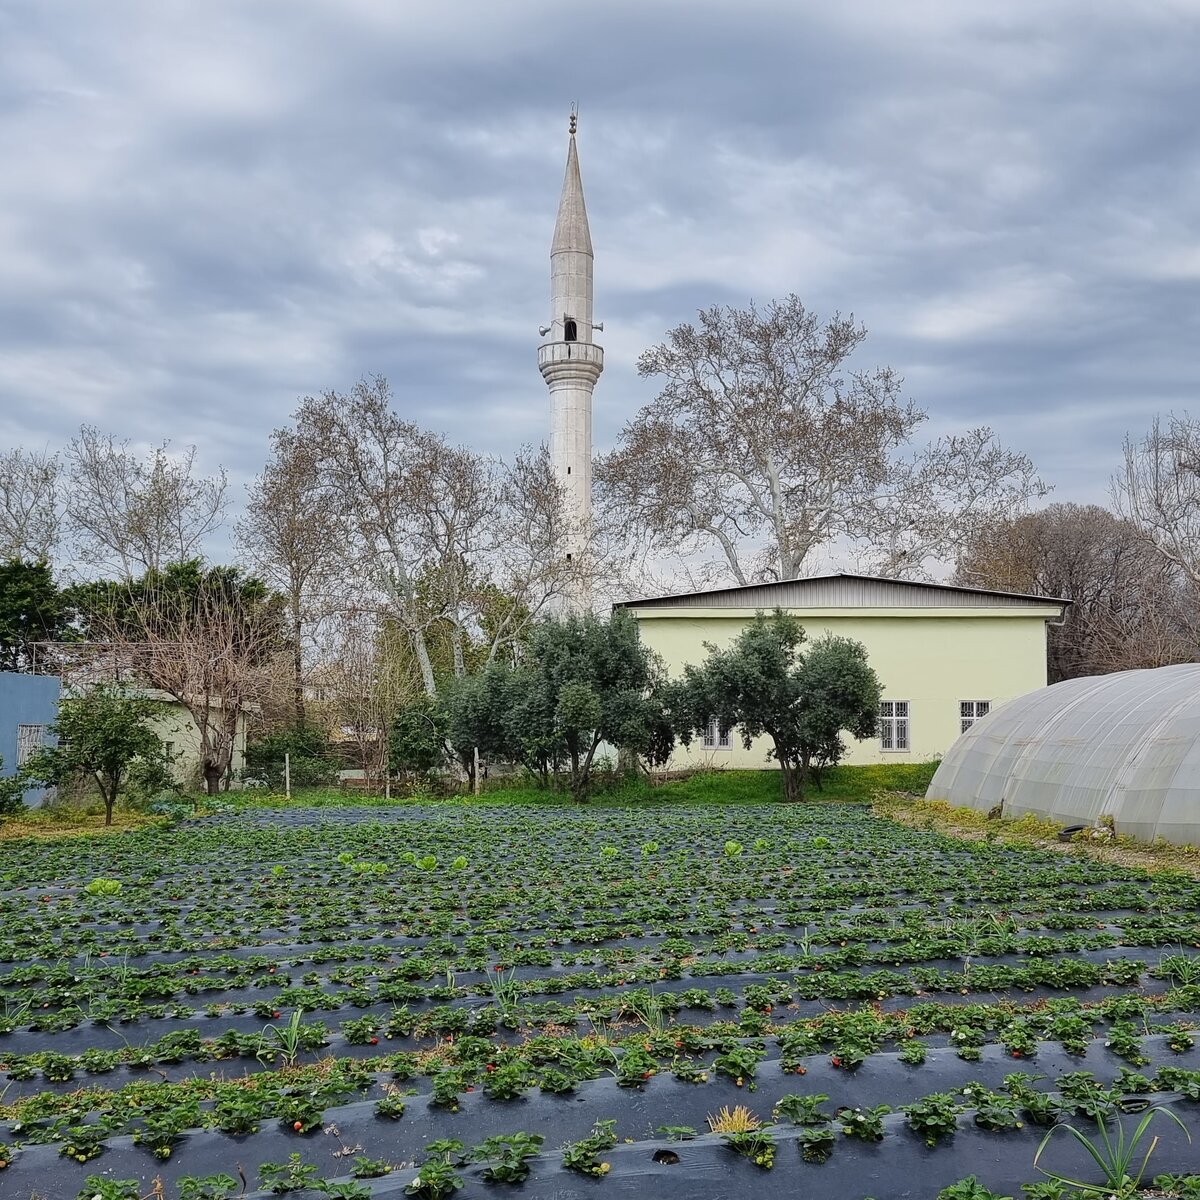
570	363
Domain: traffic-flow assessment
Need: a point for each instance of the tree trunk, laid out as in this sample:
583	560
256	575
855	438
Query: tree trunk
298	671
212	778
460	665
576	783
466	760
421	650
793	781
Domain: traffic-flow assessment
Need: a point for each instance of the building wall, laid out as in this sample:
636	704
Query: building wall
932	657
25	700
176	727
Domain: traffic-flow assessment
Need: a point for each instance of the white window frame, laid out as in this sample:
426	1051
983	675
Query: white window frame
969	711
30	739
895	726
714	739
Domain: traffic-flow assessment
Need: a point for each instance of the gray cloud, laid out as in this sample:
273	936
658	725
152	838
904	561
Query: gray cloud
208	211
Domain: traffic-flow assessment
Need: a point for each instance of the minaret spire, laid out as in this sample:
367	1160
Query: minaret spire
571	229
571	362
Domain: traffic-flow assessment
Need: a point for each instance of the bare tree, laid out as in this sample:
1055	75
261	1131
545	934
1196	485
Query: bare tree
211	639
289	535
29	505
433	530
364	679
1159	490
1125	610
764	444
130	514
943	496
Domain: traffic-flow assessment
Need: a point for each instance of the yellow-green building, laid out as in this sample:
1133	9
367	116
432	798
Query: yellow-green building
945	655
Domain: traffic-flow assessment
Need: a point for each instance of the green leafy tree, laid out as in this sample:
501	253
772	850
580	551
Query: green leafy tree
32	609
102	735
579	683
587	682
839	694
764	686
12	793
476	714
417	739
310	762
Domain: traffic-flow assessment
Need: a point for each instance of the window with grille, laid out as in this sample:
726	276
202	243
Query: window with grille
714	739
29	741
969	711
893	725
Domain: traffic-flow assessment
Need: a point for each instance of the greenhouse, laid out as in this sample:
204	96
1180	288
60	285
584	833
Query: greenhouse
1125	746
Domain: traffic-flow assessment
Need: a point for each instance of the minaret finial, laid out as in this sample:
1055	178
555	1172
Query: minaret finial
574	116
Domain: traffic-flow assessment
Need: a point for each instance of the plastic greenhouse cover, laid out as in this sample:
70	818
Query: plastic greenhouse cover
1125	745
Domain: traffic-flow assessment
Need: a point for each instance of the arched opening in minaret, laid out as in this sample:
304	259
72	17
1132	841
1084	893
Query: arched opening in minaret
570	333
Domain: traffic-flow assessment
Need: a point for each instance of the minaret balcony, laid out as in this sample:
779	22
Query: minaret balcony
552	354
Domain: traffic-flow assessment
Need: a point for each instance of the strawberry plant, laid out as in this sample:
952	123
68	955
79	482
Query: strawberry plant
370	1168
83	1142
584	1155
438	1176
96	1187
933	1117
390	1107
740	1063
506	1082
210	1187
969	1189
864	1123
343	1189
238	1113
292	1176
506	1156
755	1144
803	1110
816	1143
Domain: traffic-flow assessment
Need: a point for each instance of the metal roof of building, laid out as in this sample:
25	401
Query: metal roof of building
845	590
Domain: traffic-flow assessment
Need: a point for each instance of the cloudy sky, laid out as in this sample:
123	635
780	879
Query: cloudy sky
210	209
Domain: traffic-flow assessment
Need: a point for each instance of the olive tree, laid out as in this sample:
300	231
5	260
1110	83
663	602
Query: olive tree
592	682
763	686
101	735
12	794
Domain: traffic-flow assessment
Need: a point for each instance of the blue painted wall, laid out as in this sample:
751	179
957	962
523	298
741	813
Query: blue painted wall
24	700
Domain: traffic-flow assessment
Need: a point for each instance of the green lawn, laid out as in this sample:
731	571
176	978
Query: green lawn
838	784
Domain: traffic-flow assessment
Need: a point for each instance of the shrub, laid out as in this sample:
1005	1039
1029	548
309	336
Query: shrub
12	794
311	763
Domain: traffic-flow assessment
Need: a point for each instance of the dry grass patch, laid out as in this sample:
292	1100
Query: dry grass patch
966	823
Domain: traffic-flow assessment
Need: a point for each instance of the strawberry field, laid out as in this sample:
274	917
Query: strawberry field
650	1001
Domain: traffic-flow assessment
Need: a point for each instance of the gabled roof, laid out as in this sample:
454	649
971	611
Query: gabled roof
844	590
